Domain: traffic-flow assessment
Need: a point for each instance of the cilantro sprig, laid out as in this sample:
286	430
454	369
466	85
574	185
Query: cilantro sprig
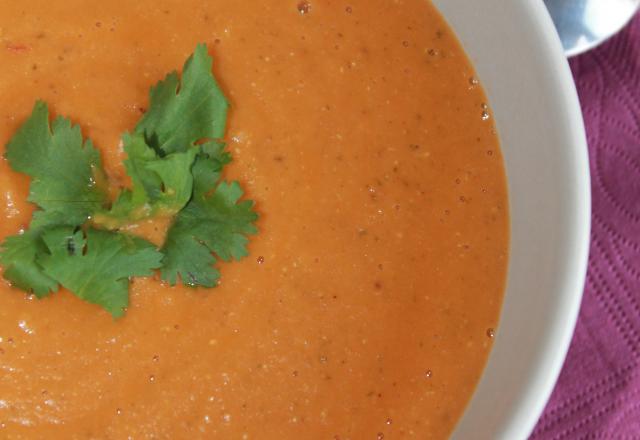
175	159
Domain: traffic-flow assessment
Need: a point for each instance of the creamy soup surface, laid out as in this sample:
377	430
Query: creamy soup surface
367	305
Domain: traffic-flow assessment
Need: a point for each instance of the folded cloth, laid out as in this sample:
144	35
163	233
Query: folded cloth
598	393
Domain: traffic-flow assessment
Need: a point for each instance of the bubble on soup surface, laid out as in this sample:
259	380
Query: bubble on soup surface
304	8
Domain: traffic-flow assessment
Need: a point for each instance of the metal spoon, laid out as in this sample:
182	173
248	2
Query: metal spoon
584	24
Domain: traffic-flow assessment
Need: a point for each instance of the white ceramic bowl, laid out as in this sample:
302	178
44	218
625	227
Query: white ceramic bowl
519	59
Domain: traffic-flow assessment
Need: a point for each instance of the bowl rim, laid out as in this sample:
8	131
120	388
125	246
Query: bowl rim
553	345
556	348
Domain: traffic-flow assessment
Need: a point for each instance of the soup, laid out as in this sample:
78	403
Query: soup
367	305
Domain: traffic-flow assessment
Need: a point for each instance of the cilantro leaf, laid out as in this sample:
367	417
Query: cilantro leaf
18	257
63	168
96	265
161	185
183	112
208	166
215	222
189	259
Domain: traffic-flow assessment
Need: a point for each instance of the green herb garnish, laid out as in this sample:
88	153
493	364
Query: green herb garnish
63	167
174	158
96	265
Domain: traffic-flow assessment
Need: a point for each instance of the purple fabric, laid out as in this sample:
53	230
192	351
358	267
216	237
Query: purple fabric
598	393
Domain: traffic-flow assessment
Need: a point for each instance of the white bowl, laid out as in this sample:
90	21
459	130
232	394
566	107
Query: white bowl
519	59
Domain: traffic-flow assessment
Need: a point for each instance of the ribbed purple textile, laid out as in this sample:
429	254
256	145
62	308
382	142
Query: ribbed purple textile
598	393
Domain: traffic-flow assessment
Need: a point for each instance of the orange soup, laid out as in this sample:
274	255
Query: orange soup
366	307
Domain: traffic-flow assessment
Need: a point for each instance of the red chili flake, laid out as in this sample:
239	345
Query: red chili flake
17	47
